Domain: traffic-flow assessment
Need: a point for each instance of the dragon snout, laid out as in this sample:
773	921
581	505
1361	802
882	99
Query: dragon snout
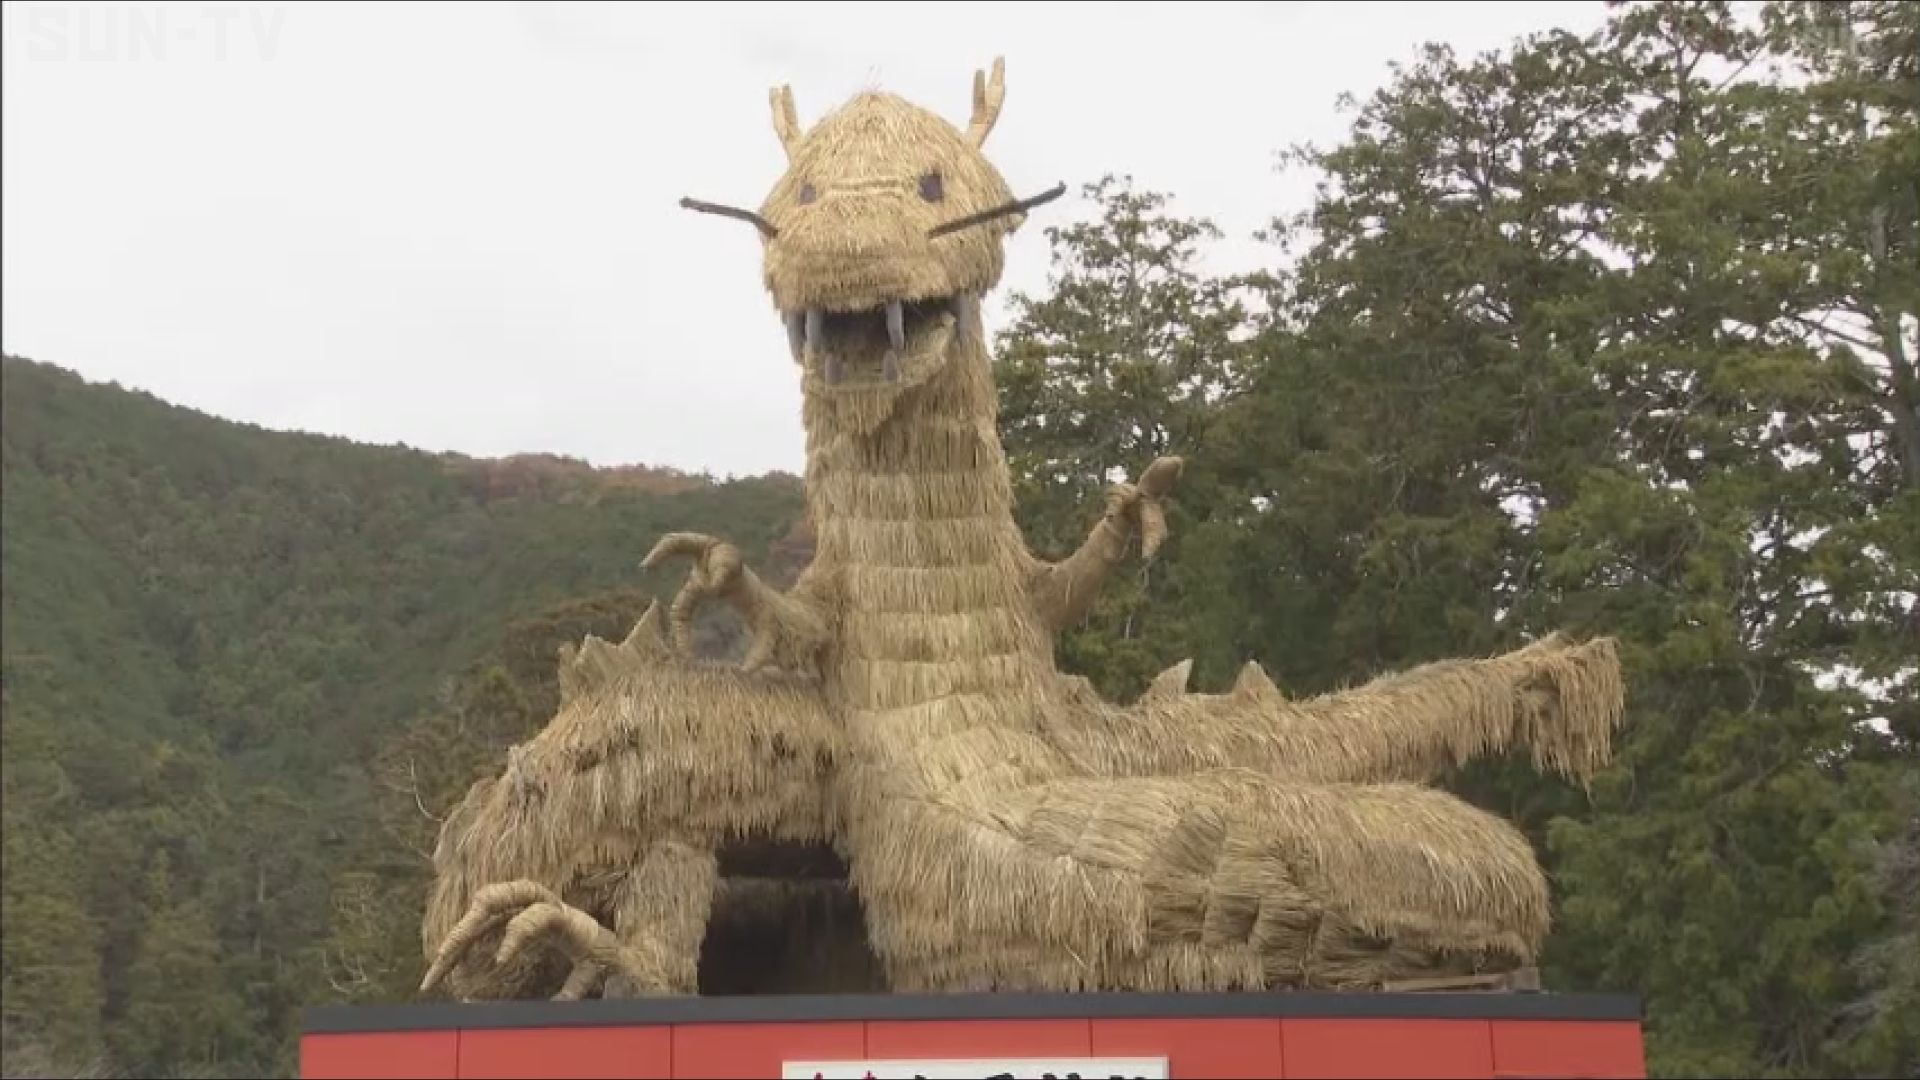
878	342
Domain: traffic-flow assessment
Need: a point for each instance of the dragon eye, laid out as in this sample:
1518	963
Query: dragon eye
807	194
930	187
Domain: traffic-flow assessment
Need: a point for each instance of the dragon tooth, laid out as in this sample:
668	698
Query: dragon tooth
890	365
963	310
796	334
896	326
816	328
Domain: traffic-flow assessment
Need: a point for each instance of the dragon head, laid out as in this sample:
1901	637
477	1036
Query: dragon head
882	236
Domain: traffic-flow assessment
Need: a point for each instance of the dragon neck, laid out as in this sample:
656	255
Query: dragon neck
915	514
895	482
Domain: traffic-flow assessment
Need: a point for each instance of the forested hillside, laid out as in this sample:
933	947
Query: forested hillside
1614	335
210	632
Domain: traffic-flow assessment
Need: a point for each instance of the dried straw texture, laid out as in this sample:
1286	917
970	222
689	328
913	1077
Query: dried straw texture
1009	832
862	238
1223	881
1003	827
617	807
1557	701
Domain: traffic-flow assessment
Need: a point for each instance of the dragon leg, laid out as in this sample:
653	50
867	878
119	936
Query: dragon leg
651	948
600	835
660	912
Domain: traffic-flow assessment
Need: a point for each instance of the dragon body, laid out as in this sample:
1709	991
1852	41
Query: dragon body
1002	826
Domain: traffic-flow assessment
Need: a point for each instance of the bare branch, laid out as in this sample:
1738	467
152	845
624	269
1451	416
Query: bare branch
413	788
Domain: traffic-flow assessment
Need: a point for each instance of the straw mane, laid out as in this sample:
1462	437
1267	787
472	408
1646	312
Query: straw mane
1001	827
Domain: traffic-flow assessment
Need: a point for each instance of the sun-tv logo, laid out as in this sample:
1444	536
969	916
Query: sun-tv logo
133	33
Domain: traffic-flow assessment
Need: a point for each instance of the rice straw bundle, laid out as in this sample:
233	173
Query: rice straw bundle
1002	827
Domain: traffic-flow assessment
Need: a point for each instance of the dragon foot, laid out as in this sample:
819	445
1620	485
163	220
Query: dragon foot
531	911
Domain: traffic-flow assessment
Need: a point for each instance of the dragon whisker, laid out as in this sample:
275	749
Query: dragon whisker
1018	207
765	226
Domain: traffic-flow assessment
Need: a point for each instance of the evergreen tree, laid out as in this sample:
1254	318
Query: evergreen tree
1125	359
182	1016
210	635
1606	334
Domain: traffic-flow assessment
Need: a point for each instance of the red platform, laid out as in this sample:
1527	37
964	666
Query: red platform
1025	1035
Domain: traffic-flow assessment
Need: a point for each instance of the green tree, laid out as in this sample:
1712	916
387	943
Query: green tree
1600	334
182	1016
208	636
1124	359
1569	309
51	964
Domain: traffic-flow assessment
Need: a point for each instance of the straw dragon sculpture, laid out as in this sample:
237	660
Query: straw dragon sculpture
1002	827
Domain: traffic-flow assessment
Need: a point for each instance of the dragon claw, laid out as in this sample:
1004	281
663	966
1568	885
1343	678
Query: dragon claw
1143	503
710	554
532	912
717	570
491	906
535	921
586	980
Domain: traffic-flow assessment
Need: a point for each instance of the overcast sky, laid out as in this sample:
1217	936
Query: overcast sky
454	226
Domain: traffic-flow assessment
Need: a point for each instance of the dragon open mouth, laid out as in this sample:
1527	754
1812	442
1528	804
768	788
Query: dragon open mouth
894	343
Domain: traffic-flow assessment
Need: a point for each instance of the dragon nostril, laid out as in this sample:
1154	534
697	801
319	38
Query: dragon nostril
931	188
807	194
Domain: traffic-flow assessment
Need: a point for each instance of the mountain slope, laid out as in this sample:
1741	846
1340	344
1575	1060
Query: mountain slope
210	630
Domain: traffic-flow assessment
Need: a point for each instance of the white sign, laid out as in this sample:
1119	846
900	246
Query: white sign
993	1069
